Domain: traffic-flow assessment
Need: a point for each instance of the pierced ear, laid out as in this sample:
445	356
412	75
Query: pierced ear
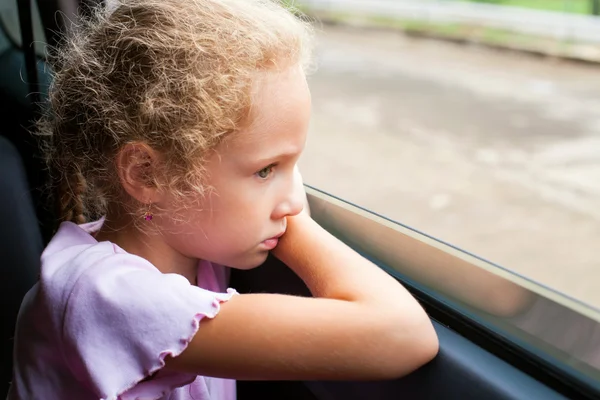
137	166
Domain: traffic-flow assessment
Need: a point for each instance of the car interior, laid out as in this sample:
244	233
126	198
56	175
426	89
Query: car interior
483	354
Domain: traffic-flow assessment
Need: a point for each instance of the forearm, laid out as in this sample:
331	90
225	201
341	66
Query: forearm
333	270
429	265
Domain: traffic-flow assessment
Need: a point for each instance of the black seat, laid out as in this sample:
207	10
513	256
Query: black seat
19	111
27	219
20	249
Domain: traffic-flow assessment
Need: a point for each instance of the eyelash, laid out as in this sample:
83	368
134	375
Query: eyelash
269	168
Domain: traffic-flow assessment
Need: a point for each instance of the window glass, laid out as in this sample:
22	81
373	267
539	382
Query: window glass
456	120
428	120
559	330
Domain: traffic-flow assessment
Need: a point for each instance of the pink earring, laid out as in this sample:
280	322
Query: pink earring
148	214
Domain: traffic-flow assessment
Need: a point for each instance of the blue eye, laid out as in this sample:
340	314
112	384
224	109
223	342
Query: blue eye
265	172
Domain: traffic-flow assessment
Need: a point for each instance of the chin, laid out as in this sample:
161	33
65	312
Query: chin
251	262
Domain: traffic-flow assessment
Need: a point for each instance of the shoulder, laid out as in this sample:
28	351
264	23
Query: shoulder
77	269
73	257
113	314
74	245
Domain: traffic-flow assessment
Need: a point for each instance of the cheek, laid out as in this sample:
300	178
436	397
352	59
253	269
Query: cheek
227	224
221	238
241	213
219	232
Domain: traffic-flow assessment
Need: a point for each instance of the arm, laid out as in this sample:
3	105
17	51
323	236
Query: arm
423	262
361	324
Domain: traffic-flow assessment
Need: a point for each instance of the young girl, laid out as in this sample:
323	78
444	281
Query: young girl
175	126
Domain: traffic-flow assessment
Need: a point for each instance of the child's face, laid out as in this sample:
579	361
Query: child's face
255	179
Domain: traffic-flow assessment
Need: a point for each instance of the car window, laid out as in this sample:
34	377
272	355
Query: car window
482	137
561	331
493	151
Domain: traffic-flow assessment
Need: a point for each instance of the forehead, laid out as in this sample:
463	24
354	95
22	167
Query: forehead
278	117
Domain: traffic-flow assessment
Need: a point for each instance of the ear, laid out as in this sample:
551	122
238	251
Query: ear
137	166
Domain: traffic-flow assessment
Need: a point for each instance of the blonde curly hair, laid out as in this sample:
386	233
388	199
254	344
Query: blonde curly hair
174	74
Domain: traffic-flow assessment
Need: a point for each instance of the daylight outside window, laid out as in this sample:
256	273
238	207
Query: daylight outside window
476	123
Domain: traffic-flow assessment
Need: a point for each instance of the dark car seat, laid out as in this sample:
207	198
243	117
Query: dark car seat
17	104
20	248
23	204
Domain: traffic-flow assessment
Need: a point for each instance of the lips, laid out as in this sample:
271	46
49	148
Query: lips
271	243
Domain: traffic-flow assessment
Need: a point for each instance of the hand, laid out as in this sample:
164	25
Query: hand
298	227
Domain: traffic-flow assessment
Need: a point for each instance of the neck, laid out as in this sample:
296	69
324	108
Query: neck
150	246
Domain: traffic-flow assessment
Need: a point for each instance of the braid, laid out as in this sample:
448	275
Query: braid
71	194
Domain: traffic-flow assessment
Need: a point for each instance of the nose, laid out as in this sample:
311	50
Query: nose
297	201
293	203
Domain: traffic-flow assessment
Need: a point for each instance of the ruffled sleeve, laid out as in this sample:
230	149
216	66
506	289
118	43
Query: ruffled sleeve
123	317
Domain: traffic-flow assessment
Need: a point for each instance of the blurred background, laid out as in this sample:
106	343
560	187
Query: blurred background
476	122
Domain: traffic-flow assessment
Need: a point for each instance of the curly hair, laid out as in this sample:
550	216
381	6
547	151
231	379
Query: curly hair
176	75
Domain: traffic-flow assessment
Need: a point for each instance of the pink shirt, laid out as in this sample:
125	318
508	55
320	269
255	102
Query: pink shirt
101	321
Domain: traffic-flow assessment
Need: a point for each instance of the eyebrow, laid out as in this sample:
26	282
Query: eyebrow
277	156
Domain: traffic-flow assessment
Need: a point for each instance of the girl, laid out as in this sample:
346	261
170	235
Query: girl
179	124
